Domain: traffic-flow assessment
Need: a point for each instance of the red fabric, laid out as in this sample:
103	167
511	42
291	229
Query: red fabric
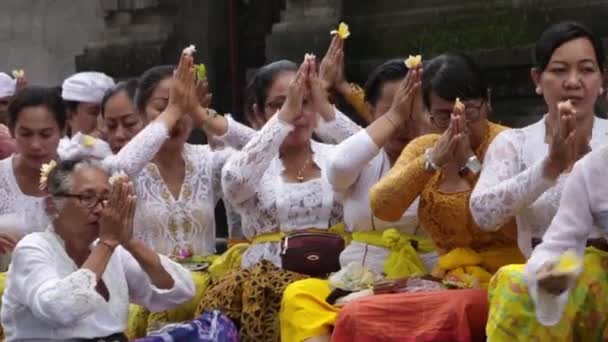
448	315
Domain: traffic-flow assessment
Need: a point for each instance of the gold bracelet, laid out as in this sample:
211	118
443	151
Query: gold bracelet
391	121
111	245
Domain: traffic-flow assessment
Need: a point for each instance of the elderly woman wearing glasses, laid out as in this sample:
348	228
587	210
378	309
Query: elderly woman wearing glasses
75	280
443	169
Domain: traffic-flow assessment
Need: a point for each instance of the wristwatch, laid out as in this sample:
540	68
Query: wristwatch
473	165
429	165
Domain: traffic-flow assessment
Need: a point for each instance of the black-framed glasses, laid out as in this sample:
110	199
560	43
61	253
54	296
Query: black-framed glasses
275	105
472	113
89	201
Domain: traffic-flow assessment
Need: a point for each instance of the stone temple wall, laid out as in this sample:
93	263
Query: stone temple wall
43	36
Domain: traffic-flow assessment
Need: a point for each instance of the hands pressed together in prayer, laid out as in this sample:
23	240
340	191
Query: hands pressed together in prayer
567	143
402	107
116	223
331	69
453	148
306	90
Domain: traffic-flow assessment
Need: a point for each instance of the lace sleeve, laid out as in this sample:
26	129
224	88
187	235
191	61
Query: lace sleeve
245	168
57	301
237	134
504	187
143	292
396	191
569	230
337	130
349	158
139	151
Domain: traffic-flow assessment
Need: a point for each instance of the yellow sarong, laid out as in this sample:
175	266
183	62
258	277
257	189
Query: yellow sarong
474	269
403	260
304	311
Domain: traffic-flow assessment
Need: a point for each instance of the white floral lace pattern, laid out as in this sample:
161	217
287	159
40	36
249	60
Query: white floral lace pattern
511	183
337	130
253	184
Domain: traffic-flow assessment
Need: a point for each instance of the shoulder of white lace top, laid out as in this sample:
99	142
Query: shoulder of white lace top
55	299
134	156
244	169
506	185
237	134
337	130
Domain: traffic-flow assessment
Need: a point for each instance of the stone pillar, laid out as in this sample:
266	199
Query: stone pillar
304	28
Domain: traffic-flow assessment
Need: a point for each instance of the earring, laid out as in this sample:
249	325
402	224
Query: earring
539	90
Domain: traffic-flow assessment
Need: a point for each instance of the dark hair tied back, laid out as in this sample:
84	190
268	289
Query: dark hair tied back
557	35
451	76
148	82
37	96
390	71
264	77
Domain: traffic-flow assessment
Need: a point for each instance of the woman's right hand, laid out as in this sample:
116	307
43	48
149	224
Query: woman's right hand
7	242
562	147
115	225
446	145
331	70
292	108
182	96
403	102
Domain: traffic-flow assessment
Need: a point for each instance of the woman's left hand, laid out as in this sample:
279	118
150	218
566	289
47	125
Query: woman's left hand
317	94
463	150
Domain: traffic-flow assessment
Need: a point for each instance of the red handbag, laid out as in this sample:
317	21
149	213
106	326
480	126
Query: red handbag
314	254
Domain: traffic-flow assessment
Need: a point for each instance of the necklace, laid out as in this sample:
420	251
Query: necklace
300	174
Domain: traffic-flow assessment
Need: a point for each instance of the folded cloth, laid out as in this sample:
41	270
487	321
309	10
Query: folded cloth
447	315
211	326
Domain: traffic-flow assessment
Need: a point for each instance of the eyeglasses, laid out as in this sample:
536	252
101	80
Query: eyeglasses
275	105
472	113
88	201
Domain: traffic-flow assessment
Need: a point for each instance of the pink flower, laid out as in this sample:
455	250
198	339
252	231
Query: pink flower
184	253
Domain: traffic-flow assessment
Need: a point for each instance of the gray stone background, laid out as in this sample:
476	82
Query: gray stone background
43	37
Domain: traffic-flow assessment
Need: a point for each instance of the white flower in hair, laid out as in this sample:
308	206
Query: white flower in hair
116	176
83	146
190	50
19	73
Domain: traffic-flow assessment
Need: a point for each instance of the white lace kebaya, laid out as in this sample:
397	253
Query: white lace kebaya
253	183
169	224
511	182
48	297
583	208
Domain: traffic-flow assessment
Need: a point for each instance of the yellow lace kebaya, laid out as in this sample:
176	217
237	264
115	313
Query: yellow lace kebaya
445	216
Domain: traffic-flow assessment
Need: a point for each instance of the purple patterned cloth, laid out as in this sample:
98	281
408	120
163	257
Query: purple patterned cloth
211	326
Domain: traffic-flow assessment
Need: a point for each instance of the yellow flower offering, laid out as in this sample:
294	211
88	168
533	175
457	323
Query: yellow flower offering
459	105
88	141
19	73
342	31
45	170
568	263
201	71
413	61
